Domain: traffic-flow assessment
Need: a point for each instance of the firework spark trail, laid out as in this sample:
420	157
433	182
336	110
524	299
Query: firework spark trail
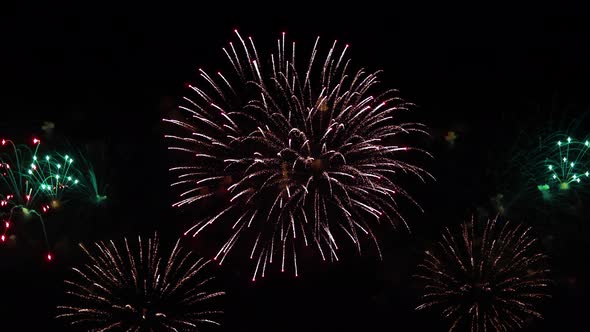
485	278
312	156
91	186
137	289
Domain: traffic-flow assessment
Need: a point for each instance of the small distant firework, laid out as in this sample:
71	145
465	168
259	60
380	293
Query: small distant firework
127	288
306	154
33	183
450	137
48	127
567	164
530	174
486	277
554	173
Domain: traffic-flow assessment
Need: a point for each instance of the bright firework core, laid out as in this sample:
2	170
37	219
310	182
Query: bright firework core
306	154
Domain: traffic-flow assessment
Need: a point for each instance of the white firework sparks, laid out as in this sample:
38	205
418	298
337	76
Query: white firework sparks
485	278
123	289
305	159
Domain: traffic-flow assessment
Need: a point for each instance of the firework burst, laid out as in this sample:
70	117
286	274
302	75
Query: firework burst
550	175
33	180
543	170
136	289
567	164
304	154
32	184
486	277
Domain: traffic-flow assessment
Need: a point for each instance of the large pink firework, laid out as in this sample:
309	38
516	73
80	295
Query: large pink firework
306	154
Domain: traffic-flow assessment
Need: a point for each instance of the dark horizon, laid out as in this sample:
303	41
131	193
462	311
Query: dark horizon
107	76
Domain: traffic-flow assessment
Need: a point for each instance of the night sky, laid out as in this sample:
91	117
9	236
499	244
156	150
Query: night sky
107	75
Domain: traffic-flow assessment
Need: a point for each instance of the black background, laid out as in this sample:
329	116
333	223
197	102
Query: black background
107	75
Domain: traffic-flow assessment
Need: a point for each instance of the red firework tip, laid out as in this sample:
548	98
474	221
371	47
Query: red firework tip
3	238
3	142
36	140
49	257
7	224
187	85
